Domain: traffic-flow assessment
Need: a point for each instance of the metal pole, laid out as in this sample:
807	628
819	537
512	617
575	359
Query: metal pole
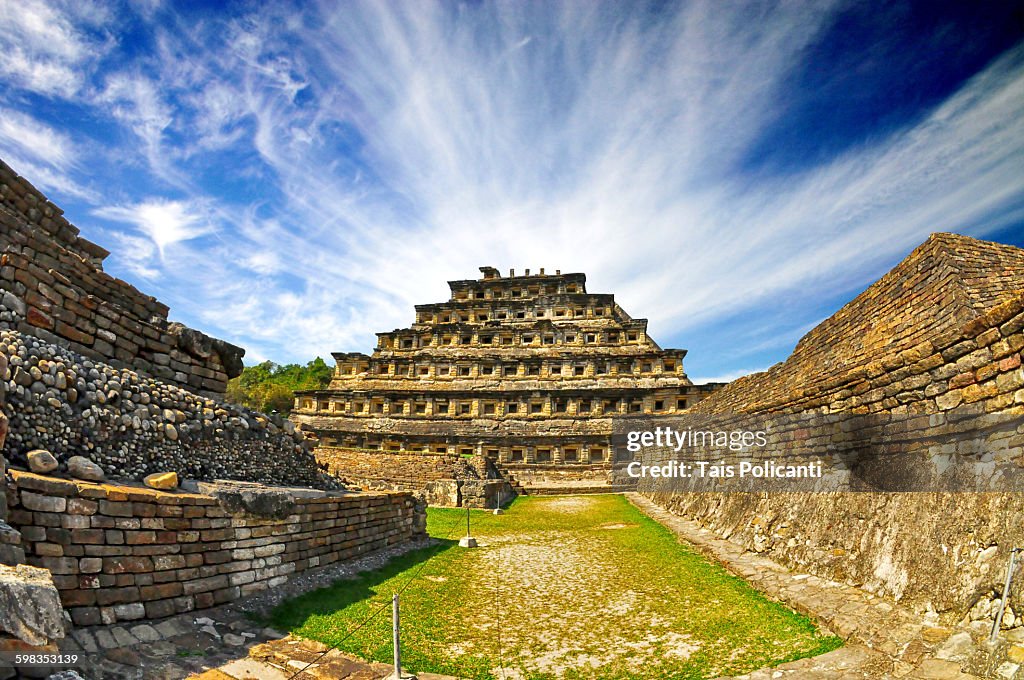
467	541
397	636
1006	594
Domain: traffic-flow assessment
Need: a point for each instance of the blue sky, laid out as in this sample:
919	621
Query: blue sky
294	177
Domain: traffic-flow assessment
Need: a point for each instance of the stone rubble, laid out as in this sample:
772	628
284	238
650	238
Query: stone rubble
61	405
41	461
162	480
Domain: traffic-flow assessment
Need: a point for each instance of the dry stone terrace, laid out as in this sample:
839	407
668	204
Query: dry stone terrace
523	373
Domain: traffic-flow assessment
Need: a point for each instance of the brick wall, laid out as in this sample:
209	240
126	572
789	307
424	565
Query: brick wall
936	338
52	285
124	553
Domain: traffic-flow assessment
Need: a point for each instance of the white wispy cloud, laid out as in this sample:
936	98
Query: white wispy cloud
136	254
23	134
610	148
45	155
136	102
164	222
47	47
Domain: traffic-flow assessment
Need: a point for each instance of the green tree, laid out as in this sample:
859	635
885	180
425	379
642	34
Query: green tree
271	387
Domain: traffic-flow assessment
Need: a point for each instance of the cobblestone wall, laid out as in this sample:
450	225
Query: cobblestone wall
52	285
10	540
124	553
939	335
132	425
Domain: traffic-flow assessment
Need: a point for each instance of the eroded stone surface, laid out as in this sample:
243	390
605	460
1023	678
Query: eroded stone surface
882	640
938	337
30	607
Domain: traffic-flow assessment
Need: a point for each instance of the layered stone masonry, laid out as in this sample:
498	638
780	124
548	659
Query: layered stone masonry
446	479
519	370
124	553
946	284
132	425
395	468
944	552
52	285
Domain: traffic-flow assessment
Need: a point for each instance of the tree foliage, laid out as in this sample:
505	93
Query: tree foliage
271	387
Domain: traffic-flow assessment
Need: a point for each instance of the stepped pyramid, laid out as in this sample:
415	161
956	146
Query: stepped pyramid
526	371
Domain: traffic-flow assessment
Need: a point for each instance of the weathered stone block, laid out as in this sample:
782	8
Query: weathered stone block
30	607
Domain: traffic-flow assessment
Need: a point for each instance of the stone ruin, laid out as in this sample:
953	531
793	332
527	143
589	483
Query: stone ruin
519	377
515	378
99	390
931	347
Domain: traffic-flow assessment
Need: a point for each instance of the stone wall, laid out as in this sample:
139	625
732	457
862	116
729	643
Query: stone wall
945	284
441	479
132	425
126	552
11	552
555	475
52	285
938	336
371	469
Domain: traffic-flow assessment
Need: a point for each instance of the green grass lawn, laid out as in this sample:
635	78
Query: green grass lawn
560	587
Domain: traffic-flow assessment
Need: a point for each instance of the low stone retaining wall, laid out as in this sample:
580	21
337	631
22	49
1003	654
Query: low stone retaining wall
536	479
127	552
441	479
368	468
472	493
